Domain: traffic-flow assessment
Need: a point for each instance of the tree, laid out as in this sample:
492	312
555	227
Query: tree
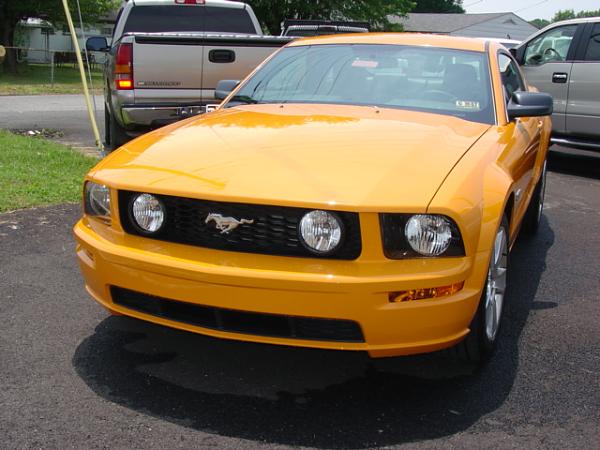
12	12
540	23
273	13
564	14
570	14
438	6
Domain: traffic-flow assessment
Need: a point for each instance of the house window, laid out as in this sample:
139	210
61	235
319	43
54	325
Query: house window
65	30
48	31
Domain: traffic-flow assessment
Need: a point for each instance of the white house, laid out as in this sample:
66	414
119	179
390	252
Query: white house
491	25
42	38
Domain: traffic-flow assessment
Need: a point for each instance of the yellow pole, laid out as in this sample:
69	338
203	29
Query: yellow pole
86	92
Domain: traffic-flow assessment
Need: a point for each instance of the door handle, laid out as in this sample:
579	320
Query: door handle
221	56
560	77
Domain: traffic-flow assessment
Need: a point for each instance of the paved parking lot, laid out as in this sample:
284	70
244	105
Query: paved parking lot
74	377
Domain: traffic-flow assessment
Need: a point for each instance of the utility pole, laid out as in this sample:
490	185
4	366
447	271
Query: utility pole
86	92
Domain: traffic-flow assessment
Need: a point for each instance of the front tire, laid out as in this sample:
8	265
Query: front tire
533	215
481	341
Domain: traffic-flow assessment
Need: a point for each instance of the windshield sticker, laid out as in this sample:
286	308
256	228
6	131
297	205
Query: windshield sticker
467	104
364	63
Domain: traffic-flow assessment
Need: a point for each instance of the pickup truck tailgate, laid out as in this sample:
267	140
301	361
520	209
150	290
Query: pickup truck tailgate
225	59
169	65
186	67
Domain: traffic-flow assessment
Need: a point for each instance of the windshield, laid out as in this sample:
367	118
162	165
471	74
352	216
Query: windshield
436	80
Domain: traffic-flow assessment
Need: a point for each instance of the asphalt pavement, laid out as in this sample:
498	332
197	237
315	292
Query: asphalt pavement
65	113
71	376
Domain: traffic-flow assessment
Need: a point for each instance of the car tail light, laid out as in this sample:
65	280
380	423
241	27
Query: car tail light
124	67
190	2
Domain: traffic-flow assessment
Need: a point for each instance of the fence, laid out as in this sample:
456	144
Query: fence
57	59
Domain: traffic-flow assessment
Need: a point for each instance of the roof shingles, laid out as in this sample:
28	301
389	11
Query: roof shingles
441	23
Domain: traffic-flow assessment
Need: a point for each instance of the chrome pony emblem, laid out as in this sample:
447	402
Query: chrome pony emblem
226	224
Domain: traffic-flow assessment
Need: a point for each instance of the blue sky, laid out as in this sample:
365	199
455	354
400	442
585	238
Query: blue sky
529	9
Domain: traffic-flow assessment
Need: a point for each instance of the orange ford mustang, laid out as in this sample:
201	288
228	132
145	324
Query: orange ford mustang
355	192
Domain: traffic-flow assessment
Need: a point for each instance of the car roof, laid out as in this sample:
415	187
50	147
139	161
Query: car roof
416	39
573	21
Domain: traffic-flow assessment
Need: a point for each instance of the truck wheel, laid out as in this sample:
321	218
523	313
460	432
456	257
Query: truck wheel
106	127
115	133
533	215
480	343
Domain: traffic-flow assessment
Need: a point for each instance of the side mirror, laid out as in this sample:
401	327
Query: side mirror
97	44
224	88
529	104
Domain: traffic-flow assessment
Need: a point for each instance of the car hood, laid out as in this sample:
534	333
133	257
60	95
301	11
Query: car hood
335	157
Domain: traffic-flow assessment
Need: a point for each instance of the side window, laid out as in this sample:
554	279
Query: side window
511	77
552	46
593	49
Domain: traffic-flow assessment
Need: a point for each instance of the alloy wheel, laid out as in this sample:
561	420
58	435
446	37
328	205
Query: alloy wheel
496	284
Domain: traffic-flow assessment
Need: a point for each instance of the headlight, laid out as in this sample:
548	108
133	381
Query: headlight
321	232
428	235
97	200
420	235
148	213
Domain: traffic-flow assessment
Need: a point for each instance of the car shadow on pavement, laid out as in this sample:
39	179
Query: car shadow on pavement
305	397
570	162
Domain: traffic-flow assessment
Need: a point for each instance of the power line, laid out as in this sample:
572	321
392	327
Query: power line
471	4
531	6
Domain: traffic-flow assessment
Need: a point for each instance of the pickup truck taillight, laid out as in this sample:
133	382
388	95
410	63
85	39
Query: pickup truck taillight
124	67
190	2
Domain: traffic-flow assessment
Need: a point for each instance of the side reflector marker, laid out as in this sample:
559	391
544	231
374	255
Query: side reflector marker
422	294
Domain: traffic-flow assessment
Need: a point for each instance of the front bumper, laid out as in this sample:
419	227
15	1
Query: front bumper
355	291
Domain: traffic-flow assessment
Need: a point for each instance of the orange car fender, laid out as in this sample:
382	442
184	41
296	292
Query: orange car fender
476	194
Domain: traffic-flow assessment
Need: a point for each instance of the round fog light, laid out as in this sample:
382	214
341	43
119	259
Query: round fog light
148	213
320	231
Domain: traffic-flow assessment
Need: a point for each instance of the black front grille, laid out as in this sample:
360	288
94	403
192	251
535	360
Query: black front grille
274	230
233	321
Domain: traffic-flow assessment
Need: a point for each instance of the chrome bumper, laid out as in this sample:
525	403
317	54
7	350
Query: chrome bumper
152	116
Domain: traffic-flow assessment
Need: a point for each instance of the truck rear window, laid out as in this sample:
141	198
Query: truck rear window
176	18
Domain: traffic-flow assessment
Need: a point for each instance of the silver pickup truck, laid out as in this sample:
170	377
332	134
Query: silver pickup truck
167	56
563	60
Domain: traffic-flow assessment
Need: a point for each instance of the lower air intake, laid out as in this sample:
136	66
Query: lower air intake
234	321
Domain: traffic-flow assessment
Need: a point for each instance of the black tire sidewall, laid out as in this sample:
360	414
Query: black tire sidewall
533	216
107	120
488	346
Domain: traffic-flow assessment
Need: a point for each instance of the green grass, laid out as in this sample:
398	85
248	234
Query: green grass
36	172
34	79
